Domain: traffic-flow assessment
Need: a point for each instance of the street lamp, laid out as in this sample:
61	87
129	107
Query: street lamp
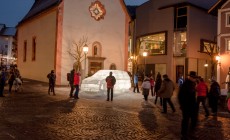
206	71
85	50
144	55
218	60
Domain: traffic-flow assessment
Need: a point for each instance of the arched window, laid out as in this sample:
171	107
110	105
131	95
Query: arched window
97	49
112	67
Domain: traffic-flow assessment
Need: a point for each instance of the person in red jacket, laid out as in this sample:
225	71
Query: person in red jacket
202	90
76	82
111	81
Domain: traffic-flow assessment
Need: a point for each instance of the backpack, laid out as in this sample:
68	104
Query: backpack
68	76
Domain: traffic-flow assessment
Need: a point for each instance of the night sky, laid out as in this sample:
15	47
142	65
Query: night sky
12	11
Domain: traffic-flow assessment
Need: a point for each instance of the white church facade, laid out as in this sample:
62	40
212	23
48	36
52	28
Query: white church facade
51	30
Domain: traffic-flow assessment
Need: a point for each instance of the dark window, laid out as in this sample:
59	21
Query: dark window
180	20
25	51
34	49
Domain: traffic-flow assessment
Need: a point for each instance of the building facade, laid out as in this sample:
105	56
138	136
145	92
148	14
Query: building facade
222	10
7	46
176	36
53	29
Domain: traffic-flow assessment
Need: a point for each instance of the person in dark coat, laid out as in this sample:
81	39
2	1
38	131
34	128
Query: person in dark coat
166	92
2	81
188	105
157	87
71	82
135	81
111	81
11	80
52	79
214	95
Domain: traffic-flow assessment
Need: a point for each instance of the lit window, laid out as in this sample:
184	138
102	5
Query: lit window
227	42
154	44
180	43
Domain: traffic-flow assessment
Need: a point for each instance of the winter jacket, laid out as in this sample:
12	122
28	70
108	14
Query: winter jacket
76	79
135	79
166	89
111	81
146	84
187	95
201	89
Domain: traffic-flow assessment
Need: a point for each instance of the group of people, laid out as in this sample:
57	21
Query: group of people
11	77
163	90
74	79
192	92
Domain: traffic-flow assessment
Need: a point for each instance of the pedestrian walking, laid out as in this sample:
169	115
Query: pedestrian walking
71	82
52	79
152	82
166	92
202	90
188	105
111	81
180	81
146	87
157	87
135	81
2	81
214	95
76	82
228	101
11	80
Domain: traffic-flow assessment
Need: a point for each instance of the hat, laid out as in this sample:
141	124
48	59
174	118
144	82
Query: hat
165	76
192	74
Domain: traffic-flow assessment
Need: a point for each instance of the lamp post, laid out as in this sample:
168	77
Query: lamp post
85	50
206	71
144	55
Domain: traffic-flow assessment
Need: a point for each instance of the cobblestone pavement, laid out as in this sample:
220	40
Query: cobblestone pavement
35	115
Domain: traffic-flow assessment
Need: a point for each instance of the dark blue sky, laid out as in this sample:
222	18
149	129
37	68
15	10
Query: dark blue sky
12	11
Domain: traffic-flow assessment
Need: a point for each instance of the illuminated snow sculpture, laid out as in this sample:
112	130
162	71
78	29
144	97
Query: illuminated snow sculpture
97	83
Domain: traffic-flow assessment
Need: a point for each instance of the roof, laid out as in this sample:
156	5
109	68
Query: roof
185	4
40	6
2	26
214	9
132	11
7	31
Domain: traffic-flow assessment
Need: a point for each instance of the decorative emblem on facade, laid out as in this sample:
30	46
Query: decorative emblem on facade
97	10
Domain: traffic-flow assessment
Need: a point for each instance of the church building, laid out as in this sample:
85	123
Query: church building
53	31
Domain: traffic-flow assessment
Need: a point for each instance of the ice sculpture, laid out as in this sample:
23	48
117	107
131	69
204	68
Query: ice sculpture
97	83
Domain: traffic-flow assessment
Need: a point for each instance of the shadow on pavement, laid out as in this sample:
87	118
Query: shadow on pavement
147	117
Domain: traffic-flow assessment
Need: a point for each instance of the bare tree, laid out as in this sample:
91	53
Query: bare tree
77	52
212	50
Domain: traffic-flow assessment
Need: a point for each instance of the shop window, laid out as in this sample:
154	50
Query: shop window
154	44
180	43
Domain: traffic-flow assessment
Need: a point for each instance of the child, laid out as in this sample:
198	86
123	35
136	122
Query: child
228	101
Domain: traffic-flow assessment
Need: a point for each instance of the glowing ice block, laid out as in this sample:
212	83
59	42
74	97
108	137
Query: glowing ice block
97	83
